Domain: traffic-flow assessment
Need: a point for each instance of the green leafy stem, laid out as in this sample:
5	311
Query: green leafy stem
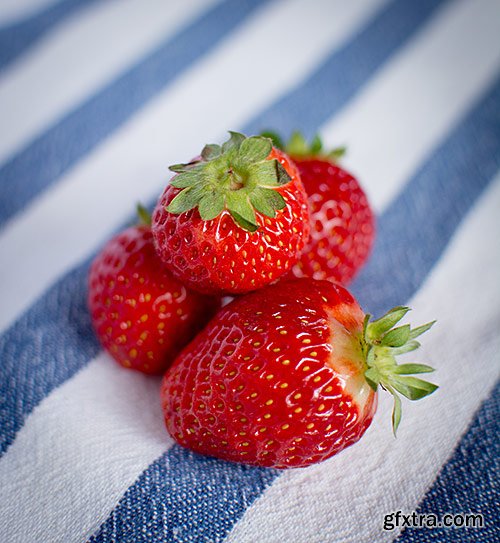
238	176
382	342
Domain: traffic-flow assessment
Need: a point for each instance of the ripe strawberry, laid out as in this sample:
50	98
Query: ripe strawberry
287	376
342	222
233	220
142	315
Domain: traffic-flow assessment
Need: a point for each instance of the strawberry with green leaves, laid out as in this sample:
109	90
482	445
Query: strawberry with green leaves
288	376
142	315
342	222
234	219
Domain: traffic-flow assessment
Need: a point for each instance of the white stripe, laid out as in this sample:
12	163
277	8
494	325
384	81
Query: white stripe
86	444
345	499
13	11
219	92
87	51
413	102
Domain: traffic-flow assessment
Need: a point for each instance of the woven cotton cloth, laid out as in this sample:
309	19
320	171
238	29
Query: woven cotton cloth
96	100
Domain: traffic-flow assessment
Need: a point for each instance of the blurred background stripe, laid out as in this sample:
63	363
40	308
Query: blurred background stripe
18	36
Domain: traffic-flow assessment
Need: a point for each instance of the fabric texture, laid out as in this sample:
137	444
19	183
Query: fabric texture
97	99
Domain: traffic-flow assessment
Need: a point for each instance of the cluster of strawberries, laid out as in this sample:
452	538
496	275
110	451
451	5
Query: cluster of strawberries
285	374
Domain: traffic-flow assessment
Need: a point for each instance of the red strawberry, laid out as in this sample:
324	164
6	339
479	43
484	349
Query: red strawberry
287	376
233	220
342	222
142	315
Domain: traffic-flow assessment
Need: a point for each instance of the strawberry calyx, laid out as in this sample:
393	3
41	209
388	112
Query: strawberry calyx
238	176
382	342
143	215
298	147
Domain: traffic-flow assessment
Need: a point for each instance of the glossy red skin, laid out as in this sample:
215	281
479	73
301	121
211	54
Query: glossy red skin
342	223
220	257
265	382
142	315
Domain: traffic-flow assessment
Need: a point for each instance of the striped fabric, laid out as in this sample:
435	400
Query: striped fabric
96	99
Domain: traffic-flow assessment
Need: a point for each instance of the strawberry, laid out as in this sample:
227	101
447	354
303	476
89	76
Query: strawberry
288	376
342	222
234	219
142	315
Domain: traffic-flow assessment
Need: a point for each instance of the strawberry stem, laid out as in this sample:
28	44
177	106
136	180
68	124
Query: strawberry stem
298	147
382	342
237	176
143	215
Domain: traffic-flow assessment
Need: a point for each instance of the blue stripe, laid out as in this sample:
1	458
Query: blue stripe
15	39
181	474
46	158
50	364
468	483
352	66
456	174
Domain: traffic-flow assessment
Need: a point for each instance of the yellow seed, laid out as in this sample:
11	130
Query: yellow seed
257	344
306	368
261	249
147	297
328	389
298	410
297	396
133	353
306	341
284	385
317	379
269	402
283	332
263	429
253	395
313	354
243	419
270	442
229	353
161	325
150	355
324	299
276	350
242	433
127	363
269	376
144	318
310	425
285	426
321	407
286	362
267	416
